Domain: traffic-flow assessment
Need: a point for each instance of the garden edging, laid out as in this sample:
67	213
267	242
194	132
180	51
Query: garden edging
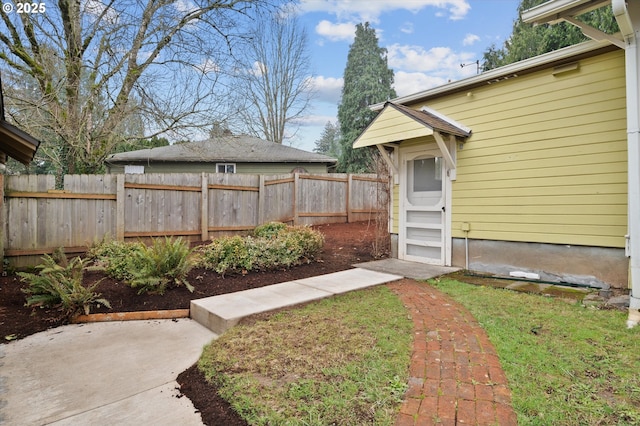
132	316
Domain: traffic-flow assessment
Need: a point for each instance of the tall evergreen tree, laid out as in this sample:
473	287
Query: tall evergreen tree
367	80
527	40
329	142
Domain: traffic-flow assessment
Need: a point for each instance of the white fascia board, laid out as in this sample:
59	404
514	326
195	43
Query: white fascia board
498	73
623	18
554	11
445	118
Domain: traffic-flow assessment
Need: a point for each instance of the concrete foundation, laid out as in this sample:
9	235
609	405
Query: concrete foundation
598	267
394	246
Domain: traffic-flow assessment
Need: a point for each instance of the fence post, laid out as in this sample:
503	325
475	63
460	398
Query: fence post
348	196
261	201
120	200
296	183
204	207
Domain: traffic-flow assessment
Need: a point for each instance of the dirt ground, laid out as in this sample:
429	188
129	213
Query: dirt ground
345	244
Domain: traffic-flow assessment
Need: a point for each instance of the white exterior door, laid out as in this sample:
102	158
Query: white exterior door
422	232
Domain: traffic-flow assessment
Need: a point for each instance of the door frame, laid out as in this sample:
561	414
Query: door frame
413	151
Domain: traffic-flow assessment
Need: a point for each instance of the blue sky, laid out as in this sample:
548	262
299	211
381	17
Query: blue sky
427	41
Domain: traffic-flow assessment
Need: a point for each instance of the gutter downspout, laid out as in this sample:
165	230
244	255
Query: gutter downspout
627	15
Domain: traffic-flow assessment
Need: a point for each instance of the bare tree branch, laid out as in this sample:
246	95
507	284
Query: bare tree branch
276	84
100	73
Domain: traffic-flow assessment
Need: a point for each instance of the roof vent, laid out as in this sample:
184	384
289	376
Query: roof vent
561	69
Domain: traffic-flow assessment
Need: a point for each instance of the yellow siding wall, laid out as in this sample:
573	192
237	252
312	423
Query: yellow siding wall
547	158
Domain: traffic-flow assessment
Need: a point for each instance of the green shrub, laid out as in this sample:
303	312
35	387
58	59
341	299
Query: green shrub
272	246
269	230
59	284
304	241
227	254
117	259
166	262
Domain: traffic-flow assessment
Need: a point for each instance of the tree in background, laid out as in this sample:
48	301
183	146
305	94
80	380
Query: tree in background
134	145
527	41
367	80
329	142
275	88
86	76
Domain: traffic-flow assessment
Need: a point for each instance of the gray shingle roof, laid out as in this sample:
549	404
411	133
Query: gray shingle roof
227	148
431	120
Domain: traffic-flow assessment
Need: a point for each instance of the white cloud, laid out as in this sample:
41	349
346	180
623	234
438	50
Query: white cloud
416	58
407	83
336	32
328	89
407	28
417	69
470	39
370	10
185	6
314	120
207	66
95	8
258	69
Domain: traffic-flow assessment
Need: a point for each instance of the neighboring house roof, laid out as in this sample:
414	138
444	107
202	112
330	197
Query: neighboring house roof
14	142
233	148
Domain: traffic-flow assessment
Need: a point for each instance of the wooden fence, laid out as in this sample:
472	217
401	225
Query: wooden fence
38	219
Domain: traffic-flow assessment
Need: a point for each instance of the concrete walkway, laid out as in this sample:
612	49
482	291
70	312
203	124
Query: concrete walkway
110	373
219	313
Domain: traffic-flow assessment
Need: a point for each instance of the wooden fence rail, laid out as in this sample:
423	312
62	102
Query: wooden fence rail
39	219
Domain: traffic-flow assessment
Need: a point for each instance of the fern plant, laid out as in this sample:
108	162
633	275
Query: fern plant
166	262
58	284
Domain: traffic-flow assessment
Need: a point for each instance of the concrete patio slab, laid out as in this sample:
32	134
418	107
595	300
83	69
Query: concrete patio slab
85	371
413	270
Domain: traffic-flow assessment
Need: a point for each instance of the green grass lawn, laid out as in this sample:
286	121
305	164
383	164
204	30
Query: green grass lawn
344	360
566	364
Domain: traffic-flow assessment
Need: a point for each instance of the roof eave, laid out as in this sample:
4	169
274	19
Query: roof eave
23	147
554	11
226	160
517	68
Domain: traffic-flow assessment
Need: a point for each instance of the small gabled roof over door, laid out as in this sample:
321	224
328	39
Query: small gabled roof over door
396	123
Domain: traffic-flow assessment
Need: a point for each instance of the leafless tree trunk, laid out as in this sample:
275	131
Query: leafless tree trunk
83	71
275	88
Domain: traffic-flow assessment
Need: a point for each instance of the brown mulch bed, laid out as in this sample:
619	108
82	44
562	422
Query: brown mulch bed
345	244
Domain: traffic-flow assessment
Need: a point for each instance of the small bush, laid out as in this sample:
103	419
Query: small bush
270	230
166	262
59	284
272	246
117	259
227	254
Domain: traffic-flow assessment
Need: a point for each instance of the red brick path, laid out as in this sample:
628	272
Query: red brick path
455	375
